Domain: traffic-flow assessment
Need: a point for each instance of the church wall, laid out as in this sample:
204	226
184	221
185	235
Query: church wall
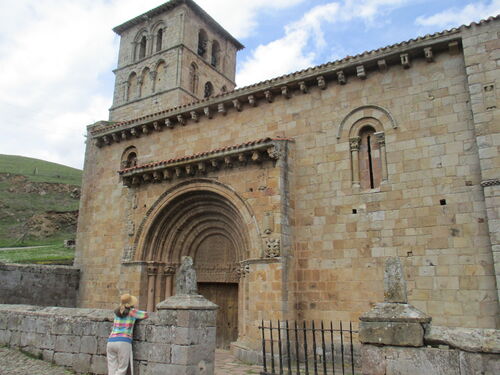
431	210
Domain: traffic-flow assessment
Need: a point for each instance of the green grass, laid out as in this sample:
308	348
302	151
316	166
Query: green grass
42	255
39	170
17	206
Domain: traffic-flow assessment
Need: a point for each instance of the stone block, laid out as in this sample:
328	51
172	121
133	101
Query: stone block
391	333
373	360
102	343
63	359
475	363
44	325
46	341
62	327
423	361
48	355
160	334
4	337
160	353
99	364
141	350
88	345
192	355
81	362
67	344
104	329
28	339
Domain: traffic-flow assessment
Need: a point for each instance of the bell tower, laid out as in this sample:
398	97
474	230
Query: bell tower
169	56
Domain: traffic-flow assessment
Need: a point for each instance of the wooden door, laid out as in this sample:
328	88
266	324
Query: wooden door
226	297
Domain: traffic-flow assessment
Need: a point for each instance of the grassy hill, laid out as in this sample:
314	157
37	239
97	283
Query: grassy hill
38	201
37	170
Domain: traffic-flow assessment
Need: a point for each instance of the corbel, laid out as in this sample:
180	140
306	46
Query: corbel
194	116
382	65
106	140
125	135
178	171
228	161
405	60
147	177
127	181
168	123
115	137
136	181
215	163
145	129
321	82
156	126
360	72
242	158
237	105
341	77
134	132
285	91
252	101
202	167
157	176
303	87
167	174
453	47
256	156
429	56
207	112
99	142
189	170
269	96
221	108
181	120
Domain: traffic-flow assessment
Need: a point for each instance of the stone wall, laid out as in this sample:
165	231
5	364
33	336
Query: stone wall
448	351
39	285
176	341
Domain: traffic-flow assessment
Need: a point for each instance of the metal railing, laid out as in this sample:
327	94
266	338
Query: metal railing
303	349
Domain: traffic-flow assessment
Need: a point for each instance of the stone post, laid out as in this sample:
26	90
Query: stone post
193	319
393	322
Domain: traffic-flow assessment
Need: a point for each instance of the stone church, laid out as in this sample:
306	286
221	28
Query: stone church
291	193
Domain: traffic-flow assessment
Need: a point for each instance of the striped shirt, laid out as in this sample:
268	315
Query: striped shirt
123	327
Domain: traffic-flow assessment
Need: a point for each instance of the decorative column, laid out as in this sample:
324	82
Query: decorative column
152	272
169	273
192	321
380	137
354	147
159	285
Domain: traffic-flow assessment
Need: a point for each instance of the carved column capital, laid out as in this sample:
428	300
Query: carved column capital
354	143
380	137
277	151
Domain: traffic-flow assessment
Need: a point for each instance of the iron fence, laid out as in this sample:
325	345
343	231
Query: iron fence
304	349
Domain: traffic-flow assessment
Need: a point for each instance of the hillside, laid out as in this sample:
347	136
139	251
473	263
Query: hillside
38	201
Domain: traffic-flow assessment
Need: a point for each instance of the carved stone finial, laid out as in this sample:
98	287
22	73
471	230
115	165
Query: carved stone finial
394	282
185	278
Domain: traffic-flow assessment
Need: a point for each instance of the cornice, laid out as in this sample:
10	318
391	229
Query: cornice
254	152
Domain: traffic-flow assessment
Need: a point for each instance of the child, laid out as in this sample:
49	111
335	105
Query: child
119	348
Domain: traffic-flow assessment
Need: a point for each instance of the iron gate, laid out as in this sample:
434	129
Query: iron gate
303	349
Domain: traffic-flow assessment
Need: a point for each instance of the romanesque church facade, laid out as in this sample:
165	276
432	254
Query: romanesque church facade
290	194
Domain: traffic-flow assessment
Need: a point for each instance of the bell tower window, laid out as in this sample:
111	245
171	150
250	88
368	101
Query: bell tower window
209	89
202	43
142	48
159	40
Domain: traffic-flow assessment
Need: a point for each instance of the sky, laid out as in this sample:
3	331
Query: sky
57	56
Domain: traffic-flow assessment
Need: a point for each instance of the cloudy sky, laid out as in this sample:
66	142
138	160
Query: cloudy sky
56	56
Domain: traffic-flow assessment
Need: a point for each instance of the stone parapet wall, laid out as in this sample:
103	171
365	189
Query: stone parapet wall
39	285
448	351
176	341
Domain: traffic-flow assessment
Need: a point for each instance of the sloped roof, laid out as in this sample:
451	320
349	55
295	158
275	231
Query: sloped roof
171	5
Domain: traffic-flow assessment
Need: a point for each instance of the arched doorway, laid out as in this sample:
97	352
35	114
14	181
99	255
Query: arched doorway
208	227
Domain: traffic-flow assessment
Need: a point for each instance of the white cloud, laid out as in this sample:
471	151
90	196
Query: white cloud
53	57
458	16
304	39
240	17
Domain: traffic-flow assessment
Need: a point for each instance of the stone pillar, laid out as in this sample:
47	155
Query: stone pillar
193	322
393	322
380	137
354	146
152	271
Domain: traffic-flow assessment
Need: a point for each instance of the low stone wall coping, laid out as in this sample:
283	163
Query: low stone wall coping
477	340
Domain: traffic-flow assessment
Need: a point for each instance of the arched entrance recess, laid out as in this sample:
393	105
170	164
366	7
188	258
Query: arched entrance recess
211	224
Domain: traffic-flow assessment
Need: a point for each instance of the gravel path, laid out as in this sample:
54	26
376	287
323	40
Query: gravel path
14	362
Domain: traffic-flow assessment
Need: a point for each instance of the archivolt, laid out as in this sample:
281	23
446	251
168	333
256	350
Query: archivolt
366	111
190	212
